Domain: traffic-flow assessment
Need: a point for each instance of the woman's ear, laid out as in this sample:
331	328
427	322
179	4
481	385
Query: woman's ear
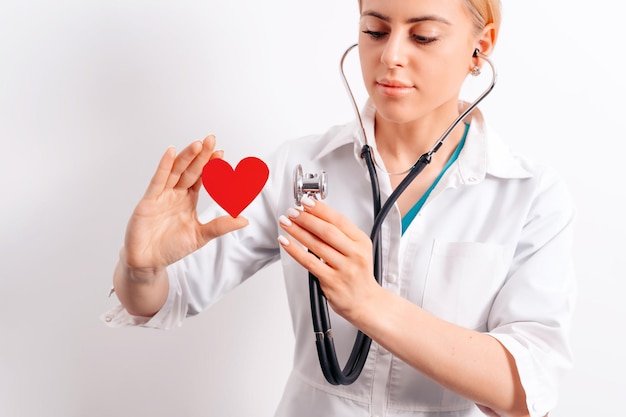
485	43
487	39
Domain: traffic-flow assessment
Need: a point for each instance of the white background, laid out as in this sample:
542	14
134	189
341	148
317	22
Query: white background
92	93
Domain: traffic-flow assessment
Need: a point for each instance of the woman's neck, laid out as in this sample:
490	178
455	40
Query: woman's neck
400	145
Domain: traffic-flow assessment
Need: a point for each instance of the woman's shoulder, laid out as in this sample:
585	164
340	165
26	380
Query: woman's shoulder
316	145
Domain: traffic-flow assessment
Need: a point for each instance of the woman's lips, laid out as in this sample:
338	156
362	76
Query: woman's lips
393	88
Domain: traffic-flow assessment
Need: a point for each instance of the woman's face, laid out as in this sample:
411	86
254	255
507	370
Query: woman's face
415	55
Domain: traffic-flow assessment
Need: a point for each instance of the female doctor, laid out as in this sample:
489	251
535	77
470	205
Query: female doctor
472	315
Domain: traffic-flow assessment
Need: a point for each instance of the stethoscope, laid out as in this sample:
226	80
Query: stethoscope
316	186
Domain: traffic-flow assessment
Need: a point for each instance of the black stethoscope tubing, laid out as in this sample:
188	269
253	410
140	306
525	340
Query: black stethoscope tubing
319	305
322	328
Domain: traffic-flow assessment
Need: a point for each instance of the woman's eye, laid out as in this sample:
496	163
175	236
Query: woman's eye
374	34
424	39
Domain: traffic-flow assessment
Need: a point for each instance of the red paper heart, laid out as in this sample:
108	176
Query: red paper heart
234	189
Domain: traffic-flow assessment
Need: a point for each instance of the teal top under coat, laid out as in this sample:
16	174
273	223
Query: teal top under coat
408	218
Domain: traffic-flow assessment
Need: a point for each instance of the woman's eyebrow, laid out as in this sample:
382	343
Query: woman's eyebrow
411	20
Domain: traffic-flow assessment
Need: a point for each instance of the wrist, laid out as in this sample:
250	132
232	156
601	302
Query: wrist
138	274
141	291
364	312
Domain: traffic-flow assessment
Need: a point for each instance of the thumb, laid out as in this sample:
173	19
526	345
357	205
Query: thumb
222	225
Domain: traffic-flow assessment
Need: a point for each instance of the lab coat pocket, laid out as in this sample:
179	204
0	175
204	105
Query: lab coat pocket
463	281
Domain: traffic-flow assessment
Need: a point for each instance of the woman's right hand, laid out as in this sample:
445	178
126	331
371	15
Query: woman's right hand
164	227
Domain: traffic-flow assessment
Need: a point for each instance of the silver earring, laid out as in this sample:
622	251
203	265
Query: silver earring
475	71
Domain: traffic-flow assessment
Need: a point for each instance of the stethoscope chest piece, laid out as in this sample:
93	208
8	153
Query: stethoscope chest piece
310	185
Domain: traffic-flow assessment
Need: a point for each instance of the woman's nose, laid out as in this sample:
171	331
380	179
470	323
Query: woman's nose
395	53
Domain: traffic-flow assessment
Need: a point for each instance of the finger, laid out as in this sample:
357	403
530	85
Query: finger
181	162
220	226
159	179
327	248
305	258
320	233
196	186
219	154
341	222
193	171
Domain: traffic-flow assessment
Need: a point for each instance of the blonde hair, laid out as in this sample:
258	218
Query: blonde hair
483	12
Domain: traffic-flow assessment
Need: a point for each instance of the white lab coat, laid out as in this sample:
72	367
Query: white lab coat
490	250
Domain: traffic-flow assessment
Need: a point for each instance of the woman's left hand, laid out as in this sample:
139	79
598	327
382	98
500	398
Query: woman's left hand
343	264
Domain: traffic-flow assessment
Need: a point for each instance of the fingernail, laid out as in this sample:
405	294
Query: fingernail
283	240
307	201
284	220
293	213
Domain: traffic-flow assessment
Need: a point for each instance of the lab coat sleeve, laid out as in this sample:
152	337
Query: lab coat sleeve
531	315
202	278
169	316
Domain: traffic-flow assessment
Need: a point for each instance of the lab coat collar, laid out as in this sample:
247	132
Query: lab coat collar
484	151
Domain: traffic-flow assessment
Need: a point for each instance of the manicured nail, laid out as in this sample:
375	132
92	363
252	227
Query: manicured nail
284	220
283	240
293	213
307	201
